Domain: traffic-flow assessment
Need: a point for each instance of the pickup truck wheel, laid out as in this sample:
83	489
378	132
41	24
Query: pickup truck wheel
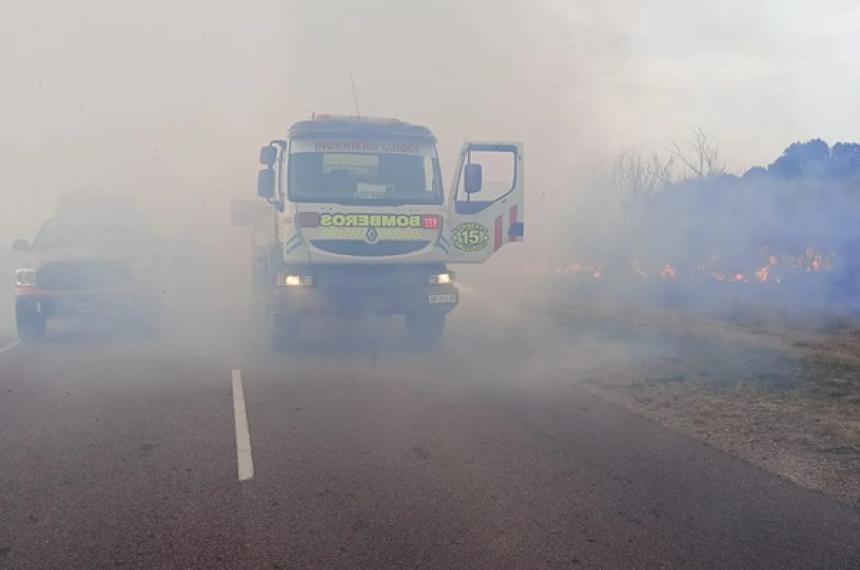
285	331
31	325
426	327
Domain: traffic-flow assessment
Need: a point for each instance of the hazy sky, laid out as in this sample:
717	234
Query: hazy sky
174	98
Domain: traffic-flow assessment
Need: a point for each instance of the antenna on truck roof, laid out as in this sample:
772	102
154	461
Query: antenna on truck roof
354	96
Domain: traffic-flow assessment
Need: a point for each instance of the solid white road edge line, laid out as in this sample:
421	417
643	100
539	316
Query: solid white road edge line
243	436
10	346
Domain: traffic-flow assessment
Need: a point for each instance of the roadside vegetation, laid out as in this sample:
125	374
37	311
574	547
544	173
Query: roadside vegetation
726	306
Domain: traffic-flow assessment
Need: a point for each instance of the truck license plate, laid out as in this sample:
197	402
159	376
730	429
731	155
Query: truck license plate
435	299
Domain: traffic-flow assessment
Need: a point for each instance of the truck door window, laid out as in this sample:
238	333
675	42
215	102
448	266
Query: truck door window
499	176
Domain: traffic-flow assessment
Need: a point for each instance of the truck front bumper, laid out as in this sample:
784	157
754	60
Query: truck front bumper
351	292
83	304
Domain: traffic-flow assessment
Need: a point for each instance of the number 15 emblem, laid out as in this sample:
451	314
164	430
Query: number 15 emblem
470	236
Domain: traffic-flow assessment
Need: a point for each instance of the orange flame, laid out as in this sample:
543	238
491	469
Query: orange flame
669	272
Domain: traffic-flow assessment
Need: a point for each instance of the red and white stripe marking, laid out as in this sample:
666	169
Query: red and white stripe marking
511	221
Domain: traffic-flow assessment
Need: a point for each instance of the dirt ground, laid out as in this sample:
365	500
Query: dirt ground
781	393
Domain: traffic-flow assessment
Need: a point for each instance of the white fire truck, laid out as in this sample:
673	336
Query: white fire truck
363	224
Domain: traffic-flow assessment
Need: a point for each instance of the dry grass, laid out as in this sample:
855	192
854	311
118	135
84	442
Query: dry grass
783	396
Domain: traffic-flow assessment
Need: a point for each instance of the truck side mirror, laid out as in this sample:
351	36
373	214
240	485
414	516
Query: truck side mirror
266	183
21	245
268	155
473	174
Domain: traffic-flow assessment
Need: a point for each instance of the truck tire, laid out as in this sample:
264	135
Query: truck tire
426	327
31	324
285	332
151	326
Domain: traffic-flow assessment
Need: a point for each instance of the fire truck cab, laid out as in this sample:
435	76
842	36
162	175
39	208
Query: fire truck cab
361	222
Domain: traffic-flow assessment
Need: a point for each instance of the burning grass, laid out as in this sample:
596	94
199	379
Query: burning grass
767	268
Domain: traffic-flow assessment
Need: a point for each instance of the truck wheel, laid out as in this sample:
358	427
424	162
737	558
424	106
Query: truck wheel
31	324
151	326
426	327
147	320
285	331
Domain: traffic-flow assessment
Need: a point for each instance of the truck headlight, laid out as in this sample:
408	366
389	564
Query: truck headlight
292	280
25	277
441	278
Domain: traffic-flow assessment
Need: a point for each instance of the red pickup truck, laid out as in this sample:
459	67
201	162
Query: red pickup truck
89	269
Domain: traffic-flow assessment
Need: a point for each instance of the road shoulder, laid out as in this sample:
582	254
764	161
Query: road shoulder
785	401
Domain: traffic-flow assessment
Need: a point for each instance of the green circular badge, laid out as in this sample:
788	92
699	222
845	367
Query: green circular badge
470	236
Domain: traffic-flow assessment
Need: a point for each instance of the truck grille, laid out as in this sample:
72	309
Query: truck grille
361	247
83	275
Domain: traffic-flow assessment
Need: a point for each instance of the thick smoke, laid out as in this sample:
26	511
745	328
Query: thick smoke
780	235
169	104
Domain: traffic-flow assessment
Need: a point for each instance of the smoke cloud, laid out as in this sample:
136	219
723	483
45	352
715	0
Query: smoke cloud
169	103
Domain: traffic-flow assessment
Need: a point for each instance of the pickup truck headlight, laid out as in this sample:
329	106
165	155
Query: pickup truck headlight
291	280
441	278
25	277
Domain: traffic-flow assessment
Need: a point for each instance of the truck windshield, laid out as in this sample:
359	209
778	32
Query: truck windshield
360	172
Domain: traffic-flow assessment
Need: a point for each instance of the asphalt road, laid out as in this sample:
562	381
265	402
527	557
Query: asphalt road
121	452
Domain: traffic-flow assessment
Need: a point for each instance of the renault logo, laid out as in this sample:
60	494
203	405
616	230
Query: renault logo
371	235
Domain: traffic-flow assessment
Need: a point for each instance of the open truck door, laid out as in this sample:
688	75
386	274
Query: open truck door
487	200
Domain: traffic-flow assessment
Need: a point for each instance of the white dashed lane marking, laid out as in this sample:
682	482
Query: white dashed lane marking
243	437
